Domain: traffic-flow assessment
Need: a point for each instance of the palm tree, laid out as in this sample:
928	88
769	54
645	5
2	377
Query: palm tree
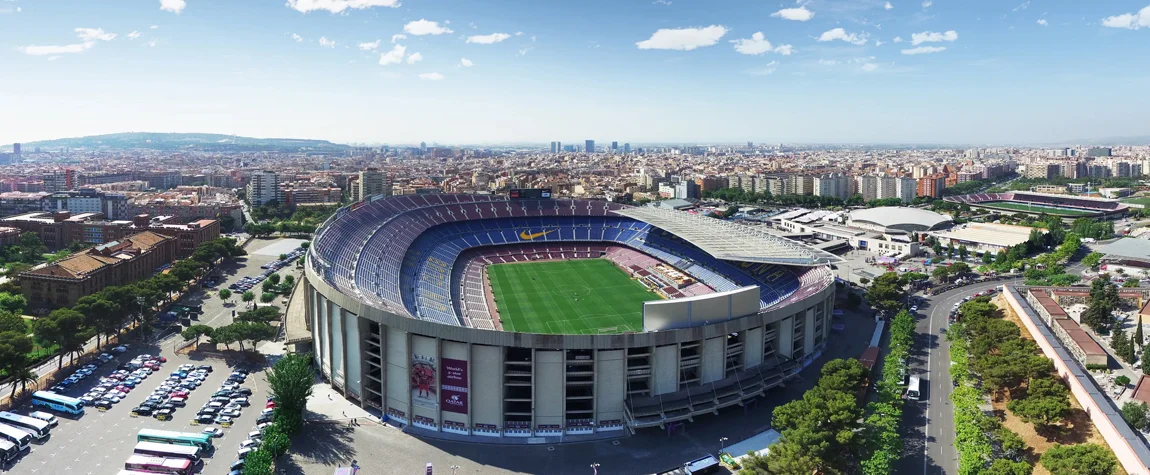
22	375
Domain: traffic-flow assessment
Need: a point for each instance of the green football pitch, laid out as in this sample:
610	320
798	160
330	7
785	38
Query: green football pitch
1013	206
586	296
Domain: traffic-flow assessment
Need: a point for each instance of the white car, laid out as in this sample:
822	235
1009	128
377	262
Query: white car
214	432
249	444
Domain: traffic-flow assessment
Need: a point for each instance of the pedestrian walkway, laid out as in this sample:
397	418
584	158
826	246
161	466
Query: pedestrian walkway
328	405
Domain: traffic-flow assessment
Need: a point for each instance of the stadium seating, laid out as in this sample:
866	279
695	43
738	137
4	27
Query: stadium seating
1067	201
422	255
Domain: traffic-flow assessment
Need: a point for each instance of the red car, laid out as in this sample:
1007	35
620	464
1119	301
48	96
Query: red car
179	394
270	405
118	377
160	359
123	389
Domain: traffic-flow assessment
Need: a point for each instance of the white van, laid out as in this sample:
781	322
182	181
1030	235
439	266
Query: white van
912	389
44	416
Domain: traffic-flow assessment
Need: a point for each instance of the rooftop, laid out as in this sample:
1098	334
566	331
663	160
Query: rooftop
726	240
896	216
1004	235
1131	248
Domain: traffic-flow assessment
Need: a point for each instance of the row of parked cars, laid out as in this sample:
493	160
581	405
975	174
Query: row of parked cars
954	310
247	283
255	438
226	403
173	392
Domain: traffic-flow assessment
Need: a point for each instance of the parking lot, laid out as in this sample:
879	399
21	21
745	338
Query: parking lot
99	442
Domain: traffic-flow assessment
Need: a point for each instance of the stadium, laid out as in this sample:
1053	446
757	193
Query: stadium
523	316
1065	206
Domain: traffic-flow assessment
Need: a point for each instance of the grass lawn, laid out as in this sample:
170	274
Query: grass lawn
1036	209
586	296
1138	201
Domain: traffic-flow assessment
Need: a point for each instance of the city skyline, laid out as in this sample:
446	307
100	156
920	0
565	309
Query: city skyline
380	71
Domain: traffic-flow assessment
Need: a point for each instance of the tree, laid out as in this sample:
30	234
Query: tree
305	244
14	348
225	294
259	462
886	292
100	314
1138	340
821	430
1145	364
268	286
22	376
1122	380
14	303
267	297
248	296
1046	402
64	327
1011	443
1129	356
963	251
1134	413
1101	303
290	380
265	314
987	258
194	332
275	278
276	440
941	273
1079	459
288	280
1128	283
937	248
959	268
844	374
10	322
1092	259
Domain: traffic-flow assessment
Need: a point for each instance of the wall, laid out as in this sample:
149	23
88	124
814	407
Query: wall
1127	446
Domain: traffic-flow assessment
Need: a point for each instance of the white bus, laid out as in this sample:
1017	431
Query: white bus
15	436
912	389
172	451
37	427
58	402
8	451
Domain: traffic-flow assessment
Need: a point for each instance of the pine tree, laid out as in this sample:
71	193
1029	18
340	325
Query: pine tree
1119	341
1138	340
1129	356
1145	364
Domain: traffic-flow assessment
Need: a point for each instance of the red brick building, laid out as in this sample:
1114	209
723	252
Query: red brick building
116	263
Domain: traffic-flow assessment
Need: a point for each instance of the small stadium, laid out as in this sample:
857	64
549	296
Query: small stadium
518	315
1065	206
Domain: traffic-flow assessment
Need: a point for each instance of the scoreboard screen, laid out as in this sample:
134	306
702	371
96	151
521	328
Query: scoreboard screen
529	193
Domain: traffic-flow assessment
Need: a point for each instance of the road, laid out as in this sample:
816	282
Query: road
929	423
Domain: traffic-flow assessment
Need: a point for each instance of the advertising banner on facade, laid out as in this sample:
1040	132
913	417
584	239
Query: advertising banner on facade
423	380
453	386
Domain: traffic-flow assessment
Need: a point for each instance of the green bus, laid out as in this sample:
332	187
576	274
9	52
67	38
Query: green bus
203	441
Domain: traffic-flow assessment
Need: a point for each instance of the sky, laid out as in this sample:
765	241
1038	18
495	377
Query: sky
639	71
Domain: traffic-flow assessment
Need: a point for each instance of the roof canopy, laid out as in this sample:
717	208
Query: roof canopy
734	242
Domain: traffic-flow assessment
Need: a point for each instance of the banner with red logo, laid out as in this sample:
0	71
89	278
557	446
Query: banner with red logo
453	386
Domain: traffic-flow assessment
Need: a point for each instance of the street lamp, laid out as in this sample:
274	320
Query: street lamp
722	444
595	468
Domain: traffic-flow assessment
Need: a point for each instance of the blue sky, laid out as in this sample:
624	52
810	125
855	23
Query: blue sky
467	72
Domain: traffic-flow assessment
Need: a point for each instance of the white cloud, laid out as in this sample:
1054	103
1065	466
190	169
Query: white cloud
337	6
758	44
933	37
34	50
414	58
174	6
828	62
879	42
153	27
372	46
1041	21
297	38
488	39
868	67
397	37
924	50
431	76
152	42
888	6
323	41
133	35
796	14
92	34
472	25
466	63
523	51
1129	21
1023	6
765	70
518	33
927	4
898	39
662	2
684	39
395	56
425	27
858	39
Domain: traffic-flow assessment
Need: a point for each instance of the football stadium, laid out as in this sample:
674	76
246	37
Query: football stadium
1065	206
523	316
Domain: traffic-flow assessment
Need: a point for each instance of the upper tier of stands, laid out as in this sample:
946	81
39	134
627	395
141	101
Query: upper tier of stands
400	254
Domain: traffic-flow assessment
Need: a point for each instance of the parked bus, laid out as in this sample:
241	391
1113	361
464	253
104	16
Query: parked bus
912	389
8	451
58	402
16	436
145	463
170	451
38	428
203	441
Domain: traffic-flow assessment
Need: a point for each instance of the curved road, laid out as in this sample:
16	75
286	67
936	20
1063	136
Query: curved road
928	443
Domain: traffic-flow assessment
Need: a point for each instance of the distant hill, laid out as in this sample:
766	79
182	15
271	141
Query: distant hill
196	142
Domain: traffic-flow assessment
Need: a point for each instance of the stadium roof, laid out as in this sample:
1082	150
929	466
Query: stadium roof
914	219
726	240
1128	248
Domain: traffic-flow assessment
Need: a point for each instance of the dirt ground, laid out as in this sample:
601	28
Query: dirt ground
1076	429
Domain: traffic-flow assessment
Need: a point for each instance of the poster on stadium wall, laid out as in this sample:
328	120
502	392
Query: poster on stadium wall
453	386
423	380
